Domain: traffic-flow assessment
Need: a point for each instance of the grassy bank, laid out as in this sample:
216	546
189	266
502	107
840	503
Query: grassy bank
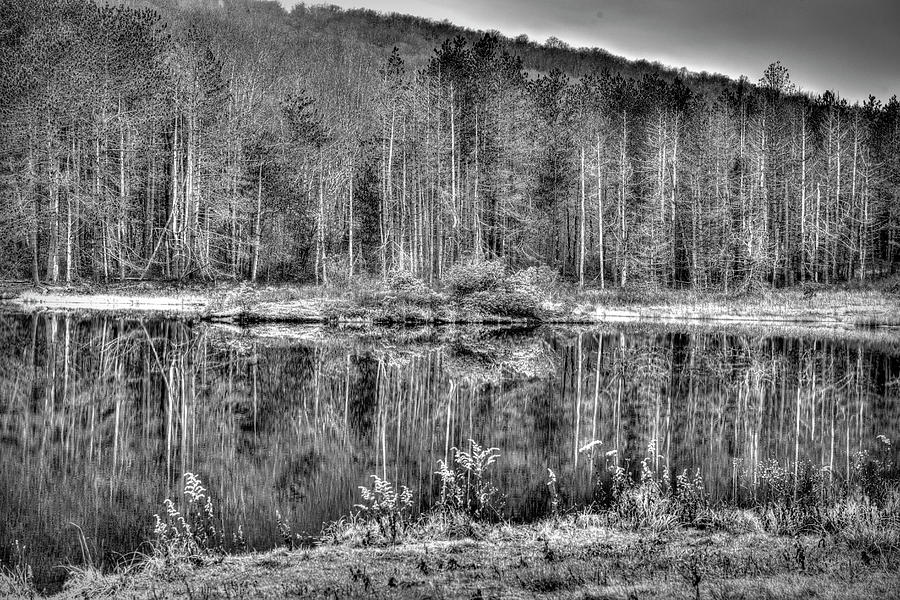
478	294
795	532
571	557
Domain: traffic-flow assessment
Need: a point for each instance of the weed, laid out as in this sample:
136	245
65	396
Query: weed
692	569
689	498
288	537
464	488
17	582
359	575
191	532
873	471
653	504
386	507
554	493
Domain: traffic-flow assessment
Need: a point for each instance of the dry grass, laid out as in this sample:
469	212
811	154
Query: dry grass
647	541
571	557
16	584
852	304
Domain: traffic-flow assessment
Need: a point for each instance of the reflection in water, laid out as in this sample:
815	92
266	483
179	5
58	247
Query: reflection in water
100	418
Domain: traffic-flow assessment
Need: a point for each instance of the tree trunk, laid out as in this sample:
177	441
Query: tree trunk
350	227
173	257
53	235
582	226
122	197
254	264
600	220
622	175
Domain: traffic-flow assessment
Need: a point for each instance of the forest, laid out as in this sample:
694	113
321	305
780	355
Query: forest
236	140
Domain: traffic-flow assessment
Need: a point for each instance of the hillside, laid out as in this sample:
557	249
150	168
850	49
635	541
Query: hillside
163	139
416	37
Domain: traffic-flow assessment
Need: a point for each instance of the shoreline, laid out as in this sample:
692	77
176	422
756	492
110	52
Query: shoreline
856	309
564	557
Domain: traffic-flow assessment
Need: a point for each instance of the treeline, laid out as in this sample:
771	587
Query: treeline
416	38
235	140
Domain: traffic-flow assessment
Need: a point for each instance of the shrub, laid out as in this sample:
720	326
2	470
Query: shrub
485	287
514	303
404	287
542	279
475	275
386	507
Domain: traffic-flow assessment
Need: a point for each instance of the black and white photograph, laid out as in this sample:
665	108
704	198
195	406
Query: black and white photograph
449	300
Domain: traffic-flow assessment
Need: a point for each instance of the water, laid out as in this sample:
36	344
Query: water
100	417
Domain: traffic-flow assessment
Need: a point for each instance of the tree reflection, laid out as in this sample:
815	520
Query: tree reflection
99	418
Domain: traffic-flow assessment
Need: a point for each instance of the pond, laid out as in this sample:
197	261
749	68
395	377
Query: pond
100	417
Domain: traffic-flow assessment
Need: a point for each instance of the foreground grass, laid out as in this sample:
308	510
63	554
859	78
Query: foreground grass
569	557
803	535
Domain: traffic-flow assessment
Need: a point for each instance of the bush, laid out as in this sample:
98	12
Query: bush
404	287
475	275
515	303
483	286
542	279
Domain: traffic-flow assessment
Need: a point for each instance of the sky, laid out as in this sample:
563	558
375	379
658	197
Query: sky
848	46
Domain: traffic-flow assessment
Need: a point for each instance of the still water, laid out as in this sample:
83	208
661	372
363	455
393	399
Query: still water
100	417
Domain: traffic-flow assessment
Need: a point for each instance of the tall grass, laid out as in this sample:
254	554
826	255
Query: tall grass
863	512
17	580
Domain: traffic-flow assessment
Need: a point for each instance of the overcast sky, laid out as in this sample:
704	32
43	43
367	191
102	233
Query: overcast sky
851	46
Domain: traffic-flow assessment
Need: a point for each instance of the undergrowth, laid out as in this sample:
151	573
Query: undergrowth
860	513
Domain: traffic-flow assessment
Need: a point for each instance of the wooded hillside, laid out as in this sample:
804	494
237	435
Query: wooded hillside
236	140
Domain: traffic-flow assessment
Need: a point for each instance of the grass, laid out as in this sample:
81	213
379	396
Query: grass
874	304
568	557
799	535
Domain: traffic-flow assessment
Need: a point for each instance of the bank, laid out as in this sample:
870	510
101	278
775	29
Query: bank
835	307
566	557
